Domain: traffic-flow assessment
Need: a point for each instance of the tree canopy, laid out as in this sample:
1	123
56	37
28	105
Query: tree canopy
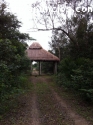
13	60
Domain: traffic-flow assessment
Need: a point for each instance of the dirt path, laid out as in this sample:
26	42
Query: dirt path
35	112
78	120
43	106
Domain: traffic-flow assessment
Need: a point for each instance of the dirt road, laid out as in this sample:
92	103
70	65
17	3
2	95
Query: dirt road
43	106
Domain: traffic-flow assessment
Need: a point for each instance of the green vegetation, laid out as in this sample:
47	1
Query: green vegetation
48	67
74	100
76	56
13	61
51	112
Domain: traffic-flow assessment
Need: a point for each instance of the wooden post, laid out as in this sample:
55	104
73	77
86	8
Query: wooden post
55	68
39	67
31	67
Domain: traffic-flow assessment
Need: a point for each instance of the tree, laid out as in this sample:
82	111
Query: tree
59	43
13	60
51	15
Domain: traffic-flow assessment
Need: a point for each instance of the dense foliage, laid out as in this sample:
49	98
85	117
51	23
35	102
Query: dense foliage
76	65
13	60
48	66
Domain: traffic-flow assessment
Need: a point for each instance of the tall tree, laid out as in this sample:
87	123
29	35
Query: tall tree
59	43
13	61
55	14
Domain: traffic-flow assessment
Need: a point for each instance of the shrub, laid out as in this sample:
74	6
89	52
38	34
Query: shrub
77	75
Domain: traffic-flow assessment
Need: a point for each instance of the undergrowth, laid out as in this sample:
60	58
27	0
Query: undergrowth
9	99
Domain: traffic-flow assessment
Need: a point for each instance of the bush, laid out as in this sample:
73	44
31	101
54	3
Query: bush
87	94
65	70
77	75
83	75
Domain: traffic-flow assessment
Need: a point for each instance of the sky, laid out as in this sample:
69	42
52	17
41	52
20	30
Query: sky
22	9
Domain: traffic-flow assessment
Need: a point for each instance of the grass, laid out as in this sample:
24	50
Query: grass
11	103
51	112
74	99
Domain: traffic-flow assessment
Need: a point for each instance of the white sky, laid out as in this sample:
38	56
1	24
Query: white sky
22	9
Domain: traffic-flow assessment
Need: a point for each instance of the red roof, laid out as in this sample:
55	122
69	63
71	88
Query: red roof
36	53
